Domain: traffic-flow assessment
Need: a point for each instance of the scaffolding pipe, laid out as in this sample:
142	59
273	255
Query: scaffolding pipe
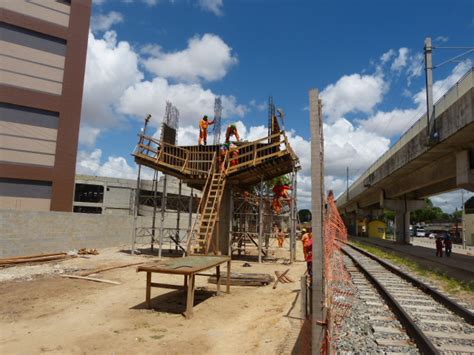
153	222
178	217
260	223
163	208
293	218
231	221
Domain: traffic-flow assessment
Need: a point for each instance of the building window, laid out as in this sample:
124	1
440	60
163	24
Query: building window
87	209
89	193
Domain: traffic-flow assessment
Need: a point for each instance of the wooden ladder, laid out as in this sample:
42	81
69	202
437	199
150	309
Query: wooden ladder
201	238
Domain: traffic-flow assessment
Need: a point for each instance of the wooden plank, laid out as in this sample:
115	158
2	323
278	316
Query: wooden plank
190	297
162	285
91	279
96	271
148	290
31	260
280	277
31	256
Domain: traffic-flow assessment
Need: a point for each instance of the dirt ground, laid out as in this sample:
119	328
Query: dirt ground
41	312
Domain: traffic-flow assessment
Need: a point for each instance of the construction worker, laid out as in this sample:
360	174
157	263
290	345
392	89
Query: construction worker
307	235
223	151
231	131
203	126
281	238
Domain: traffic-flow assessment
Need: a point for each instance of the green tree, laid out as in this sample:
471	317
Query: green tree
428	214
304	216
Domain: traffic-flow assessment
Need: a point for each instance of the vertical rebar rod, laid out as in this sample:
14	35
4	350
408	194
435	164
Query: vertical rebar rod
163	209
153	221
260	222
178	217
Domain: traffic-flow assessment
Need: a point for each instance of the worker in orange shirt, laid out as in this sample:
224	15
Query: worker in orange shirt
231	131
307	235
203	126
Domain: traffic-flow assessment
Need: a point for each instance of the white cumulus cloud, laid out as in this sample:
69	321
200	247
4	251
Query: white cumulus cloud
401	60
214	6
114	89
105	22
111	68
208	58
352	93
192	100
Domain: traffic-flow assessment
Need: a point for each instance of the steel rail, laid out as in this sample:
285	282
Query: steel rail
422	341
456	308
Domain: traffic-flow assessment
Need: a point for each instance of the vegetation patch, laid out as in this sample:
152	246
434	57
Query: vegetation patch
446	283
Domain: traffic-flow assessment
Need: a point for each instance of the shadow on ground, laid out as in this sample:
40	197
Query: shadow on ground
175	302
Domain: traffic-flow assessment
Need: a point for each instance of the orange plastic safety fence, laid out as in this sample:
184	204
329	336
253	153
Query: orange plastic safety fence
339	289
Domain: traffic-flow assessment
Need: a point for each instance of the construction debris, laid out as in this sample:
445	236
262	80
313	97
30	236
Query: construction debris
85	251
281	277
96	271
241	279
91	279
32	258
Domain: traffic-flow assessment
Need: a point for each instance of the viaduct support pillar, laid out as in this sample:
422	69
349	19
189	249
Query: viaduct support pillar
465	169
402	210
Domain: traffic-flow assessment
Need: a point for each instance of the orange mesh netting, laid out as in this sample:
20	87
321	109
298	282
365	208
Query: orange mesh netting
339	289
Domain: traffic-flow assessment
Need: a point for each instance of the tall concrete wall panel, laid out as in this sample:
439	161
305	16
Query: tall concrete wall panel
37	232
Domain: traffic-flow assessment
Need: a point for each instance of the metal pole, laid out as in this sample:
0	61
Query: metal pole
155	196
178	217
135	211
137	190
429	89
317	320
463	234
260	224
163	209
231	220
295	214
347	183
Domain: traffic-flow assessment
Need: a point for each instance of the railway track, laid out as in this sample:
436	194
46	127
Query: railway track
434	322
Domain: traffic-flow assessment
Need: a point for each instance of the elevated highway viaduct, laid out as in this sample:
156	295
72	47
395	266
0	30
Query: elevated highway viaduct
412	169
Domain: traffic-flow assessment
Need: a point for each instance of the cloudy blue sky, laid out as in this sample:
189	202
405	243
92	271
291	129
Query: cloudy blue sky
364	56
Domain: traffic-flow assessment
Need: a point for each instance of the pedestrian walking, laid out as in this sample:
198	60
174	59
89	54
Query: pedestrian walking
439	247
448	244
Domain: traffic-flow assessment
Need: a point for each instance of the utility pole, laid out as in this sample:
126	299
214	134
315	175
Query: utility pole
136	211
347	184
463	234
430	119
317	190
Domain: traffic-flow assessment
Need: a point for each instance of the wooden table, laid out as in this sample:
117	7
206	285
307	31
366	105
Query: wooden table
189	267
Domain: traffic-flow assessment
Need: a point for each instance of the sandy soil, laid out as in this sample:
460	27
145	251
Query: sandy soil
41	312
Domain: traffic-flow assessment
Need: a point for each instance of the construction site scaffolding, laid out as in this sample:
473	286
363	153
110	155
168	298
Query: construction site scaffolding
254	222
175	237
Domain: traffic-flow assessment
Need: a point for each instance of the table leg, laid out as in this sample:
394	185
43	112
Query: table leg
148	290
190	297
228	277
185	282
218	279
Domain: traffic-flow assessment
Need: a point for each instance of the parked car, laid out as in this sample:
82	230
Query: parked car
420	232
432	235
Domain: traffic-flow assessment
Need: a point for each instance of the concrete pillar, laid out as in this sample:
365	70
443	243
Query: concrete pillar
465	169
221	231
402	227
402	210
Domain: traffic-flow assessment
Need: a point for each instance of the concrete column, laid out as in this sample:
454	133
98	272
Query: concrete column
221	231
402	210
465	169
402	227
